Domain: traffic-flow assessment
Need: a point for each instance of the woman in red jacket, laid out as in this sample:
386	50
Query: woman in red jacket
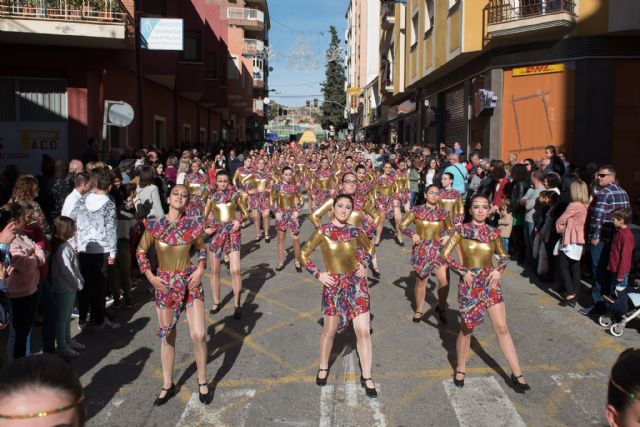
571	226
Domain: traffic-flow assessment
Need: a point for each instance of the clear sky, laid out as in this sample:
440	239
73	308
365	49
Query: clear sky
299	38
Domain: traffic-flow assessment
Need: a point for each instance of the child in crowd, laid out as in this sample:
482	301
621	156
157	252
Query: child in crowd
505	223
66	281
119	272
621	249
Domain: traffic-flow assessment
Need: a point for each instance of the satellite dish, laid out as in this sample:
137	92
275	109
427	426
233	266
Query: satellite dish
120	114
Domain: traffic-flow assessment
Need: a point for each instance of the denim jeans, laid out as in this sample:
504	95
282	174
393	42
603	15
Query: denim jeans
599	260
505	243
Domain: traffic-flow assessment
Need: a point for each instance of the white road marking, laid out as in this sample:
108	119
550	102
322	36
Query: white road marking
195	413
350	387
326	405
378	417
482	402
337	402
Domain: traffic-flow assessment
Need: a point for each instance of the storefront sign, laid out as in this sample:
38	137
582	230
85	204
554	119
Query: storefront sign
537	69
354	91
161	34
24	144
484	100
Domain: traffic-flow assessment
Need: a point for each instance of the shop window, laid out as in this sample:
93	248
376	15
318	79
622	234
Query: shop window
191	51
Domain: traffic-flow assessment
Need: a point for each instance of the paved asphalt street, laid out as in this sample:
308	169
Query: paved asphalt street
263	366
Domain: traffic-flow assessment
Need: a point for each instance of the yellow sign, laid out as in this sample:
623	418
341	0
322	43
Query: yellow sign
537	69
354	91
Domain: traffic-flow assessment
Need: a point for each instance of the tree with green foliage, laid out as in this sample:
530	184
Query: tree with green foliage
335	98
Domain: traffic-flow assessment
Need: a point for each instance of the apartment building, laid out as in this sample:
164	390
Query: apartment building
64	63
361	59
515	76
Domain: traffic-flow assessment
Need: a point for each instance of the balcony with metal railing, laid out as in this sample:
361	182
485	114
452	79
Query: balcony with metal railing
386	76
505	18
248	18
253	46
388	12
84	23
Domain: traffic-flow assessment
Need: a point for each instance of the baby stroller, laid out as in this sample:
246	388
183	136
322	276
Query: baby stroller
622	310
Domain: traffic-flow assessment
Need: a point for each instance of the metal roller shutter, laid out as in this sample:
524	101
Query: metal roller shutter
455	125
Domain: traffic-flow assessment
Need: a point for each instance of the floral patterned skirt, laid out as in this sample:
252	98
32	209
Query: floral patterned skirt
177	297
195	206
224	240
259	201
425	257
347	298
321	196
474	300
385	206
368	226
288	223
404	196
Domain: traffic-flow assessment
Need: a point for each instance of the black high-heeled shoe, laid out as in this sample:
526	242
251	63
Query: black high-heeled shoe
207	397
322	381
376	272
298	268
417	319
457	382
171	391
517	385
280	267
237	313
370	392
399	241
215	308
267	238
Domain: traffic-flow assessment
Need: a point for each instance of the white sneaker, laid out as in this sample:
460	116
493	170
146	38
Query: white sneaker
75	345
108	301
107	326
68	353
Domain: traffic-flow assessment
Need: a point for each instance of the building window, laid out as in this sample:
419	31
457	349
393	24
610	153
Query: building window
211	65
430	7
203	136
191	51
187	133
415	22
159	131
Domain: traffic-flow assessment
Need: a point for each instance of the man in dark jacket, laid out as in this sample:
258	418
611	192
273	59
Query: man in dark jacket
233	163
